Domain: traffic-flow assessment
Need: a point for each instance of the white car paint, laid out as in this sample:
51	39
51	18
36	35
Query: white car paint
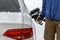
39	28
14	20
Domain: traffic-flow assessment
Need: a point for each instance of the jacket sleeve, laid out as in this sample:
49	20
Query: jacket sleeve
42	15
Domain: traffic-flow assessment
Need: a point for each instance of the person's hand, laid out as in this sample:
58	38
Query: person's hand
38	18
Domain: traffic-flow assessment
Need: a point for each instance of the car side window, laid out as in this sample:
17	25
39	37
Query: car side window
9	5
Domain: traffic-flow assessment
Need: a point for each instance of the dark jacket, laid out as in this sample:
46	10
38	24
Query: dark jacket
51	9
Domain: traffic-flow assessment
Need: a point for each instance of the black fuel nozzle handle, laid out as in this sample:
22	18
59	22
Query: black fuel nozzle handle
34	14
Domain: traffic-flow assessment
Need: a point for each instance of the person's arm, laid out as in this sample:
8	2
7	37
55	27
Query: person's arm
42	15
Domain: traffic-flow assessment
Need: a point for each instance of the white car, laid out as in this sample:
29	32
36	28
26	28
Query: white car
15	22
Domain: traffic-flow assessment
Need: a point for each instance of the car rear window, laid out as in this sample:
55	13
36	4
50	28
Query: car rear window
9	5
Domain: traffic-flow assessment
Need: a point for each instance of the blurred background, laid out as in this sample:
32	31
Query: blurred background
32	4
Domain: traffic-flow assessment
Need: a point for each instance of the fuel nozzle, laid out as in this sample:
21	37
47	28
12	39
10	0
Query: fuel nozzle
34	14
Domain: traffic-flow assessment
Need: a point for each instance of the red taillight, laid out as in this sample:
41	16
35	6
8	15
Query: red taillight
19	39
19	34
